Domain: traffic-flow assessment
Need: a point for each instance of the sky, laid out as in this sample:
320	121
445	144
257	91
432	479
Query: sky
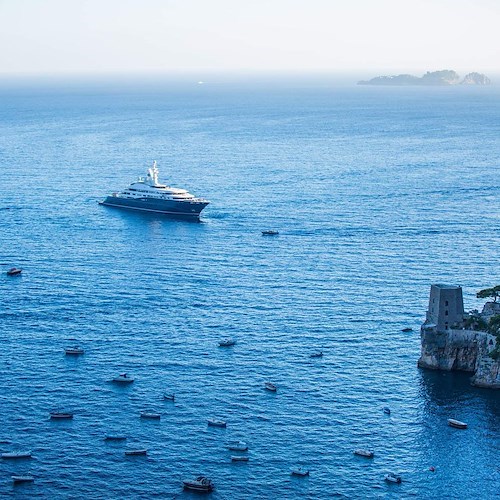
162	36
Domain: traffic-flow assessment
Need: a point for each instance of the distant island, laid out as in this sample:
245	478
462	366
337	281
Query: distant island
443	77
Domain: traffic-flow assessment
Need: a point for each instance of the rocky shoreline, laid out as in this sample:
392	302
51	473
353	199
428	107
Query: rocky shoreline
444	77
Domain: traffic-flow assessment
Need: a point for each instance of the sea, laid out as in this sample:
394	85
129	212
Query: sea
376	192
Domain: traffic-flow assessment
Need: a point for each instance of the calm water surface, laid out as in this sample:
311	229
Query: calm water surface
376	193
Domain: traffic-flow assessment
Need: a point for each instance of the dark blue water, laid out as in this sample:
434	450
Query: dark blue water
376	192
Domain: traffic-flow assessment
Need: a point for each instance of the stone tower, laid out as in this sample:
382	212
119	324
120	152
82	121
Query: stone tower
446	307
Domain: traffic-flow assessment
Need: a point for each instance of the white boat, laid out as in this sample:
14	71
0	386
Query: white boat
237	446
16	454
150	415
392	478
239	458
364	453
299	471
136	452
457	424
270	387
74	351
317	354
212	422
169	397
123	378
61	416
22	479
227	342
201	484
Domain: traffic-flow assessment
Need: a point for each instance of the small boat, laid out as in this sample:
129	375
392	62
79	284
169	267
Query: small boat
201	483
299	471
364	453
387	410
237	446
136	452
74	351
61	416
457	424
216	423
115	438
270	232
22	479
317	354
123	378
239	458
407	329
14	271
227	342
432	468
150	415
270	387
169	397
392	478
16	454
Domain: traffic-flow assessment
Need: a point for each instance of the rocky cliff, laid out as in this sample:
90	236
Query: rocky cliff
464	350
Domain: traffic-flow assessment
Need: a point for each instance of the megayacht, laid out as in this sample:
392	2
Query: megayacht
147	194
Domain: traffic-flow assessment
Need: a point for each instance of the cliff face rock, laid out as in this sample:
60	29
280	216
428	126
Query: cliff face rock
464	350
476	79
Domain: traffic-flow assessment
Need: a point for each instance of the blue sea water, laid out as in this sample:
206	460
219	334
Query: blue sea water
376	193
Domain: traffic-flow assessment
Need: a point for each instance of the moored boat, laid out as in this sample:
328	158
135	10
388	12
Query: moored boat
14	271
201	484
123	378
318	354
392	478
147	194
407	329
270	387
457	424
212	422
364	453
237	446
151	416
239	458
16	454
74	351
169	397
61	416
227	342
22	479
115	438
270	232
387	410
299	471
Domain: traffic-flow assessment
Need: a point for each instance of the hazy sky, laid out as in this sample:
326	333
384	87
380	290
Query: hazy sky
101	36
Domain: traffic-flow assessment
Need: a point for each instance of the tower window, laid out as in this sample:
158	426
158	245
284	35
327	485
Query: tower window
446	313
446	303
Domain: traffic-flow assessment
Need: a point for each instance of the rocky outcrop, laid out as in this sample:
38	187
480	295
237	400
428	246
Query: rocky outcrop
439	78
463	350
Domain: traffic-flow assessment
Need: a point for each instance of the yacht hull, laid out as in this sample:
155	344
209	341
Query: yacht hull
168	207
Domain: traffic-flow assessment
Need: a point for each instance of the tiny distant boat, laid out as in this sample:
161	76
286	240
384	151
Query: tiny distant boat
317	354
387	410
392	478
270	387
61	416
169	397
212	422
115	438
239	458
457	424
16	454
270	232
201	484
74	351
432	468
407	329
123	379
227	342
14	271
150	415
136	452
299	471
22	479
364	453
237	446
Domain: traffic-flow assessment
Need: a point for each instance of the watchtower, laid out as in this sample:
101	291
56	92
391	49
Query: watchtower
446	307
